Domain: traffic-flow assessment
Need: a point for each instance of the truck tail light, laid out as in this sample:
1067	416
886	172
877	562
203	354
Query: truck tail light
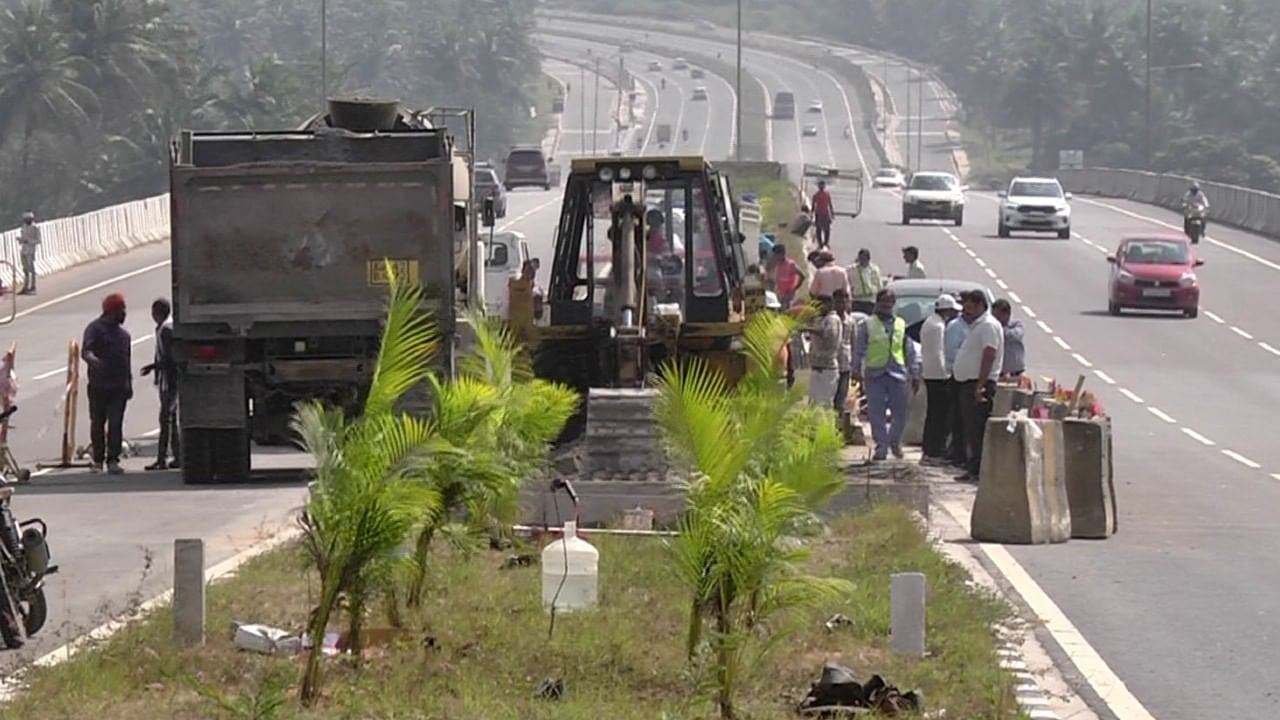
209	352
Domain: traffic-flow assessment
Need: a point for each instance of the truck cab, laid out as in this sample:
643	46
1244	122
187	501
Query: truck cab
507	253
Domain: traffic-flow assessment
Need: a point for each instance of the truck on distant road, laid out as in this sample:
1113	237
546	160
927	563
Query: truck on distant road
280	244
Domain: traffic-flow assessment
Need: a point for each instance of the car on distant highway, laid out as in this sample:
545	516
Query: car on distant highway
810	131
1155	272
655	66
680	64
889	177
815	107
488	185
697	73
933	195
1037	204
705	25
700	93
526	167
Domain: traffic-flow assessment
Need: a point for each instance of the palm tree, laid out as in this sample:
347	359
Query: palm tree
501	421
42	83
761	464
370	490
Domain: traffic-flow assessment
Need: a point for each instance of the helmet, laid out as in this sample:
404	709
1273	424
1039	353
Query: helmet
1195	186
28	215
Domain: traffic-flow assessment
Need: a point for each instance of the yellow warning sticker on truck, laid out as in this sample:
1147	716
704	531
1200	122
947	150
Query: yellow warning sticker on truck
405	270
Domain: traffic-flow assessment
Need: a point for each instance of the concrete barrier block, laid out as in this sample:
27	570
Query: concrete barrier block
917	408
1091	490
1022	493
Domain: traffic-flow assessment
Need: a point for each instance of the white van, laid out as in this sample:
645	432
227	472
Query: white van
507	253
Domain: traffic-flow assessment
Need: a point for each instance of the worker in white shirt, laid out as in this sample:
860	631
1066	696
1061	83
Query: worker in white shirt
864	276
978	365
824	356
911	256
937	417
29	242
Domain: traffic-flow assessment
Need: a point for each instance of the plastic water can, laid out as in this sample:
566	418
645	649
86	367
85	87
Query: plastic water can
570	573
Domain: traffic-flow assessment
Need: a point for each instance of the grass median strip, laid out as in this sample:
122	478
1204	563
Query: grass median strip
478	645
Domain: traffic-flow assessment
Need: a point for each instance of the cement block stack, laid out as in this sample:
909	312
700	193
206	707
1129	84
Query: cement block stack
1090	487
1022	492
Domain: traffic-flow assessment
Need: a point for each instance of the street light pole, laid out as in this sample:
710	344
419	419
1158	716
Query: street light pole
1146	145
324	53
738	116
907	157
919	122
595	113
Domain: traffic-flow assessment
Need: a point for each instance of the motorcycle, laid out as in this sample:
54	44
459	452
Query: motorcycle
24	565
1195	223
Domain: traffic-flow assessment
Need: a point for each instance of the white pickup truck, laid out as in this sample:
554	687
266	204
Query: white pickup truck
507	253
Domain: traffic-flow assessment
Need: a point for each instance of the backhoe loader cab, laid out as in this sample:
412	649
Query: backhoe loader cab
649	265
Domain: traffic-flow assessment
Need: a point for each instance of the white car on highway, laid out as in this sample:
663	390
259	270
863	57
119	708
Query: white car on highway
934	195
680	64
889	177
700	93
1037	204
655	66
810	131
815	107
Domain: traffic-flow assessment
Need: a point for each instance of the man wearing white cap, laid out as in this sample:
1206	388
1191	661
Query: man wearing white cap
29	242
934	361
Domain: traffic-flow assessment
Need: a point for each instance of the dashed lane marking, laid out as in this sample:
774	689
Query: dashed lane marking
1104	377
1082	360
1061	343
1241	459
1131	395
1197	436
1162	415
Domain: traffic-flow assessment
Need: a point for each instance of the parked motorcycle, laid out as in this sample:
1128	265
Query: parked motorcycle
24	564
1195	222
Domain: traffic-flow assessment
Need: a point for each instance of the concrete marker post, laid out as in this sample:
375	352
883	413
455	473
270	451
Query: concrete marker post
906	614
188	592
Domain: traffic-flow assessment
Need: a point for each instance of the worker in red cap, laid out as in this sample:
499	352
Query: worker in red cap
106	350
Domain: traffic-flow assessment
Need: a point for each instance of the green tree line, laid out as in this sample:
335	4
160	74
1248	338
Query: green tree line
92	91
1070	73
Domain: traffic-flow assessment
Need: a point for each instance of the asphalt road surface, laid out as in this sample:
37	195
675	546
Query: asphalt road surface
1181	603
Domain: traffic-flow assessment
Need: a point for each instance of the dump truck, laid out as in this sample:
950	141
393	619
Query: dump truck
280	247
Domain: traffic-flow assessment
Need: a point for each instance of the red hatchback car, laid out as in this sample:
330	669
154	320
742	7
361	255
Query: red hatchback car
1155	272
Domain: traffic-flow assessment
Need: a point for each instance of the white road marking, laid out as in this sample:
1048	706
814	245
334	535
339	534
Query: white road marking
1044	326
1013	296
990	272
1130	394
1104	377
91	288
981	263
1003	285
1275	476
63	370
1241	333
1081	359
1162	415
1061	343
1197	436
1026	309
959	242
1090	664
1225	246
971	253
1241	459
1269	348
1214	317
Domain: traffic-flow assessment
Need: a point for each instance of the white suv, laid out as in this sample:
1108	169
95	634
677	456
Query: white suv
1036	204
933	195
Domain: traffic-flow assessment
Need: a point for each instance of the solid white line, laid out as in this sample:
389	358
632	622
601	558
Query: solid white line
1213	316
91	288
1081	359
1197	436
1162	415
1129	394
1241	333
1241	459
1092	667
990	272
1026	309
1013	296
1061	343
1104	377
1044	326
1268	348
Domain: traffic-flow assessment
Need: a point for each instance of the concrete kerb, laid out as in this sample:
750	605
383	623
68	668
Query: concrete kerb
1022	493
11	686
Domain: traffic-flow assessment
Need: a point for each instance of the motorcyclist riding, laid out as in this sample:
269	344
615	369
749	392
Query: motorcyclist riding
1194	205
684	134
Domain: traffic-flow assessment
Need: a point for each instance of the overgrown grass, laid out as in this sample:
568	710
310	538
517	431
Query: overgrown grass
488	646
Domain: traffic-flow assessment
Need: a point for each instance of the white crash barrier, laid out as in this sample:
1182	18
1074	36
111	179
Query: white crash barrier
67	242
1022	492
1228	204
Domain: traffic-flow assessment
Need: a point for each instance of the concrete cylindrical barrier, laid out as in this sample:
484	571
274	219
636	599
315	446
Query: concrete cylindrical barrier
1091	490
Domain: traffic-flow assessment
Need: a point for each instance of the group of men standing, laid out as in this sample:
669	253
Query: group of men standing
966	347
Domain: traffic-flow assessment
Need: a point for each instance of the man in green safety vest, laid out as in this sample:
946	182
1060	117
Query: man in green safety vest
887	364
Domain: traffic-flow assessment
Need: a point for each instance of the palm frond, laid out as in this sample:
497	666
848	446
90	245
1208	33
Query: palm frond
409	342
